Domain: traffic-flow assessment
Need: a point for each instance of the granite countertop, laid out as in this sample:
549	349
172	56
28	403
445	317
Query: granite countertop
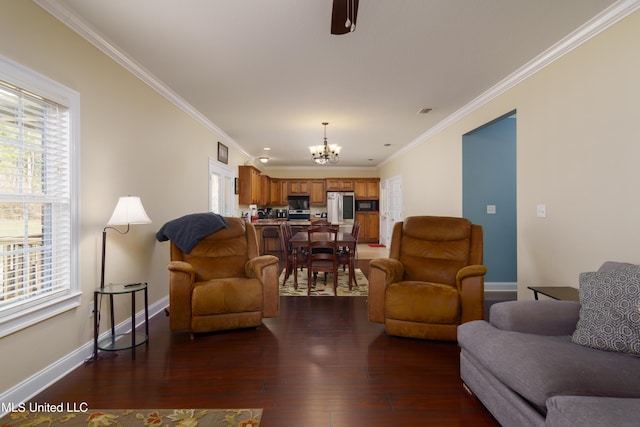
266	222
303	222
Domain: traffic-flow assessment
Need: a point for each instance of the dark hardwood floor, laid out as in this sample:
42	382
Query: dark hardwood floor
319	364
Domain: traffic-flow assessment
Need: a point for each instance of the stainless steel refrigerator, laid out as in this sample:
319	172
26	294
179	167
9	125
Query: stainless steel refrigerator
341	208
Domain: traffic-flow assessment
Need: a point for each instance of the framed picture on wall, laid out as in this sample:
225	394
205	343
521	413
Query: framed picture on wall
223	153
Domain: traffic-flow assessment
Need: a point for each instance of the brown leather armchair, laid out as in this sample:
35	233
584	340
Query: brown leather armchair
432	281
223	283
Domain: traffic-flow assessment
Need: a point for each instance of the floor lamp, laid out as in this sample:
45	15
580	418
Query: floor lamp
129	210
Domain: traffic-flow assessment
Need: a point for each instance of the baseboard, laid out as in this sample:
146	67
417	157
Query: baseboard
500	286
39	381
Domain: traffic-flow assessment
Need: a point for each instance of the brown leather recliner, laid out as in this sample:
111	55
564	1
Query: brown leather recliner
223	283
432	281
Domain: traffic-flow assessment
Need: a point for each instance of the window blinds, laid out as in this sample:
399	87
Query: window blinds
35	199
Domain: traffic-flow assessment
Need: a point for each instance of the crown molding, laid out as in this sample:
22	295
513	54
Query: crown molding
582	34
67	17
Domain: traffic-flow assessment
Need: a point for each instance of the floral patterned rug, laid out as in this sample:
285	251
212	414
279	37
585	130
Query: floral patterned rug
320	289
51	417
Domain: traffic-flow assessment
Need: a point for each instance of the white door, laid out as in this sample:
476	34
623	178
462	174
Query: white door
390	207
221	189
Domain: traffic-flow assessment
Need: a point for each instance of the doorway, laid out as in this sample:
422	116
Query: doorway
221	189
390	207
489	196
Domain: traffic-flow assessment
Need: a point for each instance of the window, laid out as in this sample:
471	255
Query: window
38	198
221	189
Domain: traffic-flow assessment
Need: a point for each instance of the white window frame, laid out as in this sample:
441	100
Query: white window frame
44	308
225	190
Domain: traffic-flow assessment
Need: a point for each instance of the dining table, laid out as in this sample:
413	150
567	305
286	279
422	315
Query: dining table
344	239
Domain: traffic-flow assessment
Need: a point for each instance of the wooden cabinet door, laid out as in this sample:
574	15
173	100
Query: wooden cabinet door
360	189
339	184
298	187
256	184
367	189
249	183
369	226
284	192
274	191
318	193
346	185
374	227
265	190
361	217
333	184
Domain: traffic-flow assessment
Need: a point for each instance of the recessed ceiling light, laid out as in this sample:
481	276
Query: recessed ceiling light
425	110
267	148
387	145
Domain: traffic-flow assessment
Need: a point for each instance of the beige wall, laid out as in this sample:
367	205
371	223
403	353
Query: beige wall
134	142
577	151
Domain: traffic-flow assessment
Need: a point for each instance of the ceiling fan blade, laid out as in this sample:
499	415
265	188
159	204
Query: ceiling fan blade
339	16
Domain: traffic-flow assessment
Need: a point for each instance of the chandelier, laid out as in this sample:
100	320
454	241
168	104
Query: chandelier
325	153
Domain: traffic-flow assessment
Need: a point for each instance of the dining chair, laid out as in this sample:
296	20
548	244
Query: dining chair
346	257
286	232
345	252
302	252
322	255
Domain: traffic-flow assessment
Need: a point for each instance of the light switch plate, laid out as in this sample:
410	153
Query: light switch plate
491	209
541	211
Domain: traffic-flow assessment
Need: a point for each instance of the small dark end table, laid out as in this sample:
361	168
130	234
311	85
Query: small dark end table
565	293
115	342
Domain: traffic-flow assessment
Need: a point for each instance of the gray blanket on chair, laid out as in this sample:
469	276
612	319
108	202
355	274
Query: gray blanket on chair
188	230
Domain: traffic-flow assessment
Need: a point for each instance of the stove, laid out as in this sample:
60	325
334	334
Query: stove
299	214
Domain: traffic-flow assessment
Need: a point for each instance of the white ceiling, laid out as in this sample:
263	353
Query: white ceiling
268	72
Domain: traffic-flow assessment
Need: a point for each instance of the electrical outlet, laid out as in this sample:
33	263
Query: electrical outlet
91	312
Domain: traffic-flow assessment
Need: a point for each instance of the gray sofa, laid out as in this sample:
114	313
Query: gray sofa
530	366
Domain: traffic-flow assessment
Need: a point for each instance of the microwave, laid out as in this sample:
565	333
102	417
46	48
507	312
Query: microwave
366	205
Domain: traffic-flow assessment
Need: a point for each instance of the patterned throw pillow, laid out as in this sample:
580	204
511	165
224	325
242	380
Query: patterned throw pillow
610	310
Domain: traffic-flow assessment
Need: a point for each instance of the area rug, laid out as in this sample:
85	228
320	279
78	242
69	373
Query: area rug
376	245
321	290
80	416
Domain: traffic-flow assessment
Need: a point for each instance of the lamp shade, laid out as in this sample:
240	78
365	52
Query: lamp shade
129	210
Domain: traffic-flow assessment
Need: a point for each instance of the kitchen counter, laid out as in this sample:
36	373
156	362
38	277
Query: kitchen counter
276	222
302	222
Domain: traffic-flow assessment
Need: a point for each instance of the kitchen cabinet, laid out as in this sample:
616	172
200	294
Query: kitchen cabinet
274	191
318	192
259	189
339	184
369	227
278	192
299	187
265	190
250	185
367	188
284	192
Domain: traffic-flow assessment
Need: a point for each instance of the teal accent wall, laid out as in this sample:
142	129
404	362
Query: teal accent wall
489	178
